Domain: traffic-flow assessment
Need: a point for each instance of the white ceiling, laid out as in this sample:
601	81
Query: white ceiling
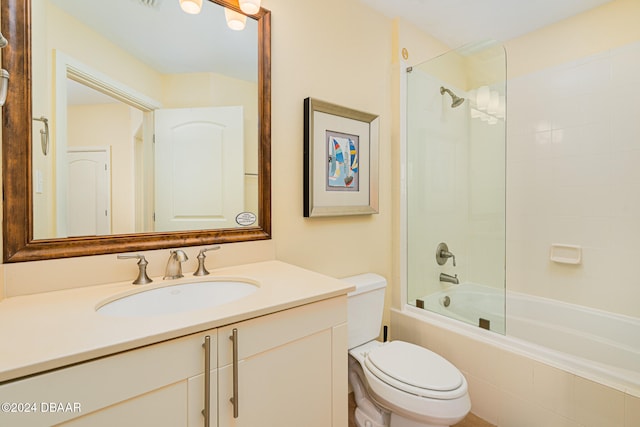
160	34
460	22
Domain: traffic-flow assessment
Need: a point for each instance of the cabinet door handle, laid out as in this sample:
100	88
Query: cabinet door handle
207	380
234	399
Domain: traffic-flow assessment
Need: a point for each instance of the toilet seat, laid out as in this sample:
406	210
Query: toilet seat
415	370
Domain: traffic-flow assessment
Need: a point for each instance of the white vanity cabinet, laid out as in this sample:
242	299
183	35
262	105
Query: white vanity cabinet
152	385
291	371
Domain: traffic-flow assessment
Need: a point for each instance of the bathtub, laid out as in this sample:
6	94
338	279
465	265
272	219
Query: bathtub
469	303
598	345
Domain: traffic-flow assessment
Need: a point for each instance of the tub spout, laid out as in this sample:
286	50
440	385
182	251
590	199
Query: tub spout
444	277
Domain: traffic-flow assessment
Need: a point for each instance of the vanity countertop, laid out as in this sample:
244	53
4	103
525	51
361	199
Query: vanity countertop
49	330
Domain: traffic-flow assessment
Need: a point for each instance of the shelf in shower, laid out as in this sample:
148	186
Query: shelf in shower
565	254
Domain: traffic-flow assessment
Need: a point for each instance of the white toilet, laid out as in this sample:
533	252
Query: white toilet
397	384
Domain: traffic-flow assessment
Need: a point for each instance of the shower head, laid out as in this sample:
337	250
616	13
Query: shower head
456	101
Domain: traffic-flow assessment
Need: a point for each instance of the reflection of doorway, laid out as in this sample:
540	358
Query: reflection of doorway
69	76
88	191
200	153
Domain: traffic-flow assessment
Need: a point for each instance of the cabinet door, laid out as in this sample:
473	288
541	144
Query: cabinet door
115	389
286	386
195	416
161	408
292	366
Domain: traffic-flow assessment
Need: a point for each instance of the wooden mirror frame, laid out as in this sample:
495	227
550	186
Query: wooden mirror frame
18	242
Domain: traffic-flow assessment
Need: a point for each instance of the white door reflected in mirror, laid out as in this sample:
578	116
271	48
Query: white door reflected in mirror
89	192
200	154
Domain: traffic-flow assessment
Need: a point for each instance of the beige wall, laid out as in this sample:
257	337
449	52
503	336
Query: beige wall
605	27
419	47
337	51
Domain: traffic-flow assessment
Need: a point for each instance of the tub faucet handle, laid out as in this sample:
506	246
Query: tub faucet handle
446	254
202	270
142	278
443	254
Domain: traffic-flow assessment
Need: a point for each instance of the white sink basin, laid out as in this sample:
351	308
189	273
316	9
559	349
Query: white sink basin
178	298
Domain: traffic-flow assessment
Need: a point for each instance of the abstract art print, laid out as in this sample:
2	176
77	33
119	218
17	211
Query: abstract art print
340	160
342	155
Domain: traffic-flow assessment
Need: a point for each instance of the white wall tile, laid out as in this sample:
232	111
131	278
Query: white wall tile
553	389
486	399
572	171
516	411
516	374
597	405
631	411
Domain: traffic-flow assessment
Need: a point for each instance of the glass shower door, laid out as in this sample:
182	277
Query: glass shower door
456	185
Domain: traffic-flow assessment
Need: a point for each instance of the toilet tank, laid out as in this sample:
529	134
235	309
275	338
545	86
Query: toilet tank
364	308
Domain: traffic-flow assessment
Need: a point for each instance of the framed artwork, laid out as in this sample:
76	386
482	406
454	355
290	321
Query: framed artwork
340	160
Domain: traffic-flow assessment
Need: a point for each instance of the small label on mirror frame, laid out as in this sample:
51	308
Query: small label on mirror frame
246	218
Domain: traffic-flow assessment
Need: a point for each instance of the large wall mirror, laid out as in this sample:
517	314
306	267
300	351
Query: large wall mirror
132	125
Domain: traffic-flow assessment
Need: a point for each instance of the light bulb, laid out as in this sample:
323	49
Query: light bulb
192	7
236	21
483	97
250	7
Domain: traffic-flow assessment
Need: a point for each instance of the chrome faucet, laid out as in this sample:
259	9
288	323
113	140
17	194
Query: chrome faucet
174	265
444	277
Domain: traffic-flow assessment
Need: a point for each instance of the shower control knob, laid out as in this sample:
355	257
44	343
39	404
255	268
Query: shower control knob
443	254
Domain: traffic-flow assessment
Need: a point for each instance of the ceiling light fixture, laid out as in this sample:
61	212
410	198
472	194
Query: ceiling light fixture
149	3
250	7
235	20
192	7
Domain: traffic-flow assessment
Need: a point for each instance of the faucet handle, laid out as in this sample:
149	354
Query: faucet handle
443	254
447	254
142	278
202	270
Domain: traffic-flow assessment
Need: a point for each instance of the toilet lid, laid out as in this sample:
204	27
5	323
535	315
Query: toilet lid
416	367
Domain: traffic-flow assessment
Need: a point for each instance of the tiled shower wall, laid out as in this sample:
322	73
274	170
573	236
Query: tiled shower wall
573	177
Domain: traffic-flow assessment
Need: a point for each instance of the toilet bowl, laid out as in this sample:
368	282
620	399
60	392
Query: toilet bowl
397	384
